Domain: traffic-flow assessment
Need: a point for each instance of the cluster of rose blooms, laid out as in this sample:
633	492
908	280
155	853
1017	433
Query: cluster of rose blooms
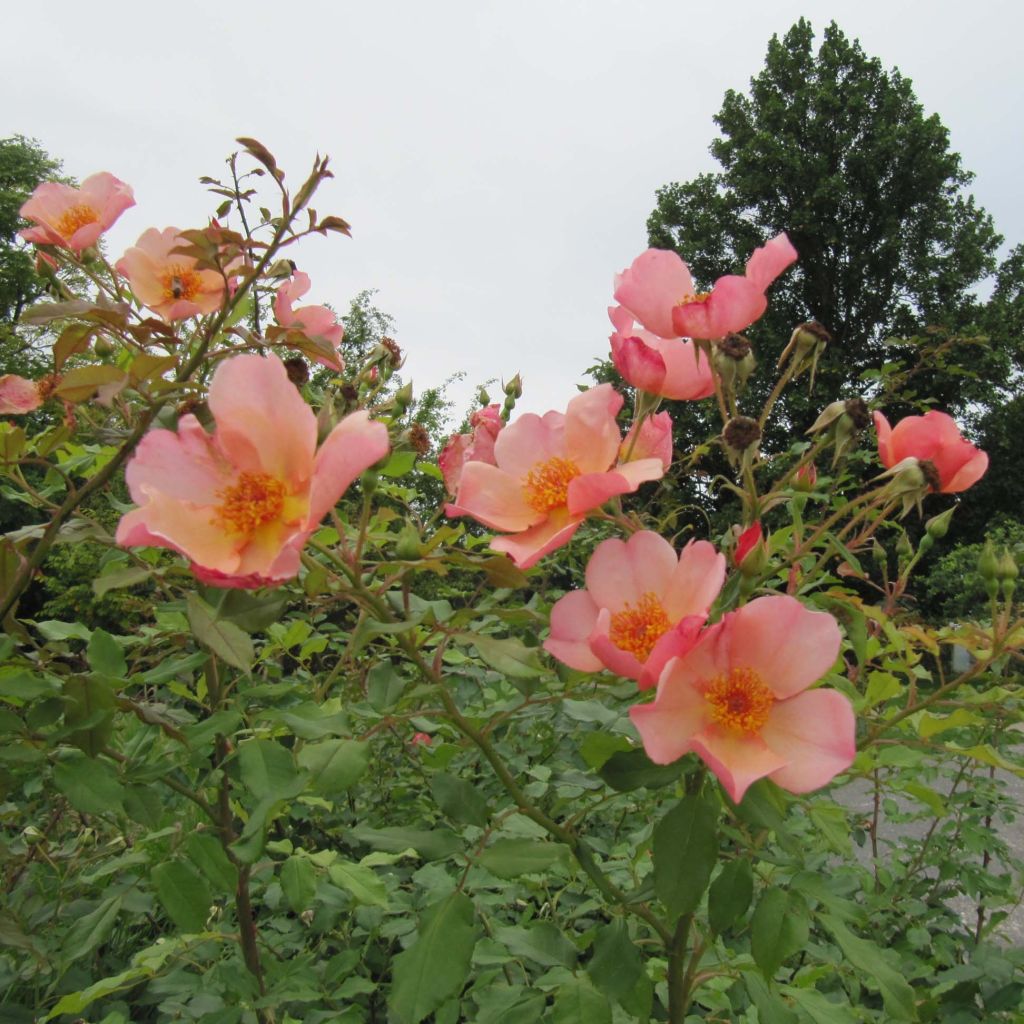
241	502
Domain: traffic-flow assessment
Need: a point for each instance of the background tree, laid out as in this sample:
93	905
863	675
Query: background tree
838	152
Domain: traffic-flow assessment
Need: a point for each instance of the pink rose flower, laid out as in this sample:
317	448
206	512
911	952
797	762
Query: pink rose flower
642	606
669	367
74	218
658	290
737	699
934	438
240	503
548	473
312	321
169	283
475	447
18	395
654	441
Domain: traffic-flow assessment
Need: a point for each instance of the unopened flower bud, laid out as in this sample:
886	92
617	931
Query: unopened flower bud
482	397
741	433
280	269
878	553
988	563
514	388
402	399
806	478
1006	568
103	347
298	370
409	545
938	526
904	549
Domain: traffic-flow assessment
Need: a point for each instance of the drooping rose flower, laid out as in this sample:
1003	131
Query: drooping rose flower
241	502
670	367
932	438
658	290
642	605
18	395
312	321
548	473
477	446
74	218
739	699
169	283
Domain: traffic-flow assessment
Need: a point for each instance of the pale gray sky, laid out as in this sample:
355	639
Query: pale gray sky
497	161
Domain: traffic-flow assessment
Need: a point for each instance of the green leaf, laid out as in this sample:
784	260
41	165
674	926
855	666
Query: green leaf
267	768
335	765
206	852
89	931
540	941
89	704
730	894
298	882
508	656
76	1002
509	858
184	894
249	612
383	686
365	885
779	929
91	787
632	769
432	845
437	965
578	1002
121	579
685	851
399	464
596	747
875	970
819	1008
460	800
616	965
105	655
770	1007
231	644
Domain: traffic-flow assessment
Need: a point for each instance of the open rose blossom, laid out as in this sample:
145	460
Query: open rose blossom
669	367
477	446
739	699
240	503
312	321
658	290
18	395
642	605
169	283
548	472
74	218
935	438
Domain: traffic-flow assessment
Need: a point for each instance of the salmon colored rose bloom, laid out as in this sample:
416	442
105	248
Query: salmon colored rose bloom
659	291
740	700
548	472
642	605
74	218
312	321
167	282
935	438
669	367
240	503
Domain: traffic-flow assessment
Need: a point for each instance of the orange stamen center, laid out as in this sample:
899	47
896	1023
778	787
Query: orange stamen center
698	297
637	629
180	282
74	218
547	484
256	499
740	701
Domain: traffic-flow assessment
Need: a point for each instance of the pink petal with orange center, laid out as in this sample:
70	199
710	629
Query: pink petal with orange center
354	445
622	663
572	621
621	572
679	640
653	284
527	548
786	644
530	440
263	425
816	732
493	497
734	304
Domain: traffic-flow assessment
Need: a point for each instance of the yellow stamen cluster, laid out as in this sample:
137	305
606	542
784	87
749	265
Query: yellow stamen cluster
547	484
638	628
74	218
740	701
180	282
698	297
255	499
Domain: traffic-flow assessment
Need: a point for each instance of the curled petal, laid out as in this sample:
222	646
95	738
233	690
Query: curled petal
573	618
527	548
770	260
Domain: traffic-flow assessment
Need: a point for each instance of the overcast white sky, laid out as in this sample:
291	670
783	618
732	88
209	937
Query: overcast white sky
497	161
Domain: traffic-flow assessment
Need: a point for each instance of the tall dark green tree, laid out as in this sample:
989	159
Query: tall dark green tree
833	149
